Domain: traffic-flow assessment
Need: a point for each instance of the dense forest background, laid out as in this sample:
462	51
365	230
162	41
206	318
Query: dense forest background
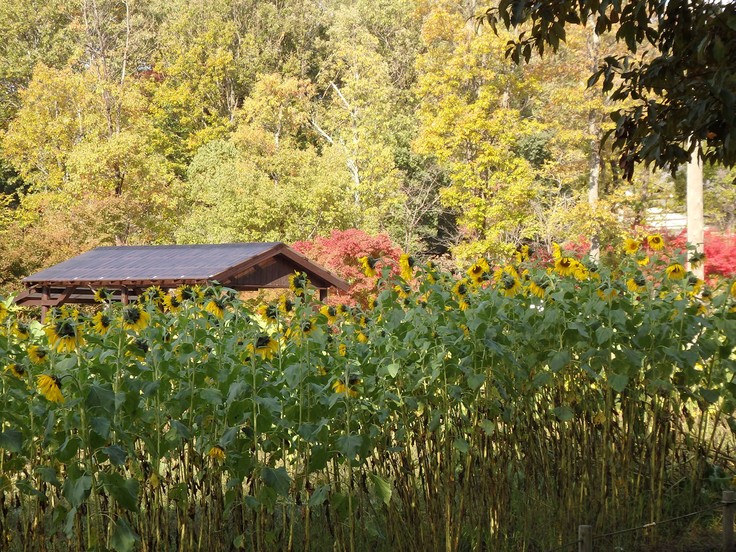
183	121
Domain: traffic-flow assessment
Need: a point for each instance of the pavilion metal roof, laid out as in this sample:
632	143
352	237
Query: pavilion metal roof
130	269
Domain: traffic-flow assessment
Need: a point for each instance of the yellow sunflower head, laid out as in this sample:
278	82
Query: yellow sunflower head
103	295
675	271
508	285
217	453
298	283
349	388
37	354
188	293
16	369
479	271
101	322
368	264
50	387
135	318
538	287
329	312
460	288
631	246
732	290
216	306
656	242
565	266
264	346
636	283
407	264
3	312
63	334
21	330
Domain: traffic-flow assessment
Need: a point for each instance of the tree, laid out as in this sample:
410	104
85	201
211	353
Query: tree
682	82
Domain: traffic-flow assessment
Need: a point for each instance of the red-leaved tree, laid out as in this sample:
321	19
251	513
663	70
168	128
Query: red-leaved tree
340	253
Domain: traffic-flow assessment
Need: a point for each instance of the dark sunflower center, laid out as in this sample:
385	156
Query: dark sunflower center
64	328
131	315
262	341
508	281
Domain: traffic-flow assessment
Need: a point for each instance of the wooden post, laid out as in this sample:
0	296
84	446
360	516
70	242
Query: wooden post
44	304
125	298
729	509
695	221
322	294
585	538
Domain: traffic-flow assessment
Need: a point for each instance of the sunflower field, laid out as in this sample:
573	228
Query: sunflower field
496	409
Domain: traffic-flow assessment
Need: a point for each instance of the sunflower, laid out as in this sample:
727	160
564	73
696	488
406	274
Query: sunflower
188	293
21	330
264	346
217	453
50	387
361	337
460	288
342	349
350	389
62	334
733	290
637	283
135	318
216	307
566	266
103	295
675	271
656	242
606	292
521	254
695	284
403	290
538	287
154	295
3	312
643	261
508	285
580	271
37	354
101	323
286	305
407	264
369	265
172	303
556	251
16	369
477	273
631	246
298	283
329	312
269	312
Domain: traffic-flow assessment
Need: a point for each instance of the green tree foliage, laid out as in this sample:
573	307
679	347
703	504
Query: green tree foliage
680	70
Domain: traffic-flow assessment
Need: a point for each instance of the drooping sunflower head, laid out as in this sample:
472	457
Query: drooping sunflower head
21	330
217	453
135	318
631	246
403	290
368	264
329	312
566	266
286	305
656	242
298	283
37	354
153	295
216	306
62	334
522	254
50	388
636	283
675	271
264	346
407	264
556	251
349	388
606	291
538	287
16	369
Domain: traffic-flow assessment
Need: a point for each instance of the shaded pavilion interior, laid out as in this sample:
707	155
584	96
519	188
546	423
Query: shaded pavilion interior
128	270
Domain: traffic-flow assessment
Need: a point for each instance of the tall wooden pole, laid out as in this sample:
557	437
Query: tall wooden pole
695	220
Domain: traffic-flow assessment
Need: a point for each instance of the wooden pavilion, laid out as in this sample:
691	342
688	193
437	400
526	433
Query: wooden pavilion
128	270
